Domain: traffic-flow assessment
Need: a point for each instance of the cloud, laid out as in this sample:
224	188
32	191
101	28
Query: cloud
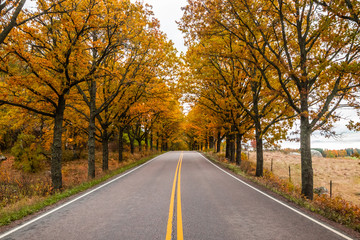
344	139
169	11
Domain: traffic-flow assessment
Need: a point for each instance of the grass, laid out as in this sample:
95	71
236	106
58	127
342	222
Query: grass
342	171
30	205
336	209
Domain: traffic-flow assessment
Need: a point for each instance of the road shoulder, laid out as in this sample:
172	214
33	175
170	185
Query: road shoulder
348	231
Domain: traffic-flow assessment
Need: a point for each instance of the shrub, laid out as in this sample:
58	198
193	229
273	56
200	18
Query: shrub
329	154
289	150
248	167
28	154
338	210
244	156
356	154
71	155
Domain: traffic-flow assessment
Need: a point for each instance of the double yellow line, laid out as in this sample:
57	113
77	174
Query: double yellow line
176	185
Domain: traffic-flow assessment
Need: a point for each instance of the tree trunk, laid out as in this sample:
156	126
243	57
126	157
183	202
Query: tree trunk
91	148
227	148
238	148
56	150
305	148
132	146
206	142
91	137
151	141
140	145
132	141
164	145
194	146
258	131
121	144
232	147
218	142
259	153
211	142
146	140
105	148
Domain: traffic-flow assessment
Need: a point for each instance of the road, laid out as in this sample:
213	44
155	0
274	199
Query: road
175	196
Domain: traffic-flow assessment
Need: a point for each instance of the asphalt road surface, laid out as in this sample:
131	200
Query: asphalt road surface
175	196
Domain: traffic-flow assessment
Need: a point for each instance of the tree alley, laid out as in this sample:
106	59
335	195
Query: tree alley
84	67
279	61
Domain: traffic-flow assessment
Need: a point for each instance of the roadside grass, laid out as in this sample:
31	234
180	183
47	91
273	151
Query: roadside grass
336	209
31	204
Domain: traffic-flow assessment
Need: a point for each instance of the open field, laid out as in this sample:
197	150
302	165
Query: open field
344	172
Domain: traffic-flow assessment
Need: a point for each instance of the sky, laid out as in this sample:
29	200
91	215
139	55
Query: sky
344	138
169	11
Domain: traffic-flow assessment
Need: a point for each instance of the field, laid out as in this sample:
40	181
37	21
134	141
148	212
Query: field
344	172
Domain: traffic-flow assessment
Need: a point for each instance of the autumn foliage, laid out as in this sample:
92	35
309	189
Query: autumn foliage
258	67
78	74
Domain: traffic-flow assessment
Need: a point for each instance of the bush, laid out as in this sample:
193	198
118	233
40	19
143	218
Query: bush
71	155
28	154
338	210
244	156
356	154
248	167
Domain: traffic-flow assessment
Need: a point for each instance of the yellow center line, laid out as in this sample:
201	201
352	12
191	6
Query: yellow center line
179	214
171	208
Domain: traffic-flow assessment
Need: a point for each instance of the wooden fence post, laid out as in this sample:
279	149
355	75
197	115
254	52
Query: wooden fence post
289	173
331	188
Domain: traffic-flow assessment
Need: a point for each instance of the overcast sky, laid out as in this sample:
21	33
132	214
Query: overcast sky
169	11
344	138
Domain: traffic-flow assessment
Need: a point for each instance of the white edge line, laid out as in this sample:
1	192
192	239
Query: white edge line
74	200
280	202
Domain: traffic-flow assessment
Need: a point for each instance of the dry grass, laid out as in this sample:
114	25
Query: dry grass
344	172
75	172
19	189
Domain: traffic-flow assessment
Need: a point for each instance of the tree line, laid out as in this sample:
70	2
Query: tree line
255	68
73	73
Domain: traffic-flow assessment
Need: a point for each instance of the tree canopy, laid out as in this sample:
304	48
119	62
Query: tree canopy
278	61
89	74
87	69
